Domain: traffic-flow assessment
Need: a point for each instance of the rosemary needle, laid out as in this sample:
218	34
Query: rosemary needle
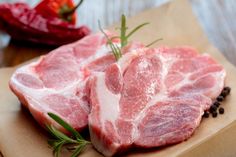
60	139
150	44
114	48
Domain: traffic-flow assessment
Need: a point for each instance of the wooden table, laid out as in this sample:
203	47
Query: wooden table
215	16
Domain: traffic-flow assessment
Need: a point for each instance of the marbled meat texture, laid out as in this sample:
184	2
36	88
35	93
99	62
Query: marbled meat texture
151	98
57	81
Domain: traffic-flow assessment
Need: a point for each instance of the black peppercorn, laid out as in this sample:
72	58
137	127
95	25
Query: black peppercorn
228	89
213	108
214	114
221	110
206	114
216	103
224	93
220	98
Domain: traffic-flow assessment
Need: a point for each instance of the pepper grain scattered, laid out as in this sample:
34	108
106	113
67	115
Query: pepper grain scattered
214	114
221	110
228	89
224	93
214	108
216	103
220	98
206	114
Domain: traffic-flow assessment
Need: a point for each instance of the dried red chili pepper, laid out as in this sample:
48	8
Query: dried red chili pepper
24	23
64	9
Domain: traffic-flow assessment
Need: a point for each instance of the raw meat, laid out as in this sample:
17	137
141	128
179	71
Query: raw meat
151	98
57	82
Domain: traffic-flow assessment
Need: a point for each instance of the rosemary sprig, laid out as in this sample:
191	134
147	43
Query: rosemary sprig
153	42
75	142
114	48
123	29
123	37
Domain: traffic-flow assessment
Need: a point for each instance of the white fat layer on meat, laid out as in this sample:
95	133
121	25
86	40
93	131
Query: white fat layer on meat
27	69
126	59
168	62
43	91
102	51
67	91
108	101
216	90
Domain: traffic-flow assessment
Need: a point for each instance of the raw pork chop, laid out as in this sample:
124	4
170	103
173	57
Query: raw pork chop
57	82
152	97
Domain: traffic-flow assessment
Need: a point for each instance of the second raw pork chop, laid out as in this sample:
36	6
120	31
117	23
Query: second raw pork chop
152	97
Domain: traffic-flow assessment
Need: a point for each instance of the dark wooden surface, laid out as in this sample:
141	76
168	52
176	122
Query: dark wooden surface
217	17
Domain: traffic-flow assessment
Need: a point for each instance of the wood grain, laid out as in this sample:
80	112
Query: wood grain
215	16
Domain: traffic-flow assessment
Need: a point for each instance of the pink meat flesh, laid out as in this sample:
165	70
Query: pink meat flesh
151	98
57	82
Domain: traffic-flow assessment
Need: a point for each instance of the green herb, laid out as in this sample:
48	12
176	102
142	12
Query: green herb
123	29
114	48
75	142
123	37
148	45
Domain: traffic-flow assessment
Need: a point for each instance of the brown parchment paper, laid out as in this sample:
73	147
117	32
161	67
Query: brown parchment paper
20	136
